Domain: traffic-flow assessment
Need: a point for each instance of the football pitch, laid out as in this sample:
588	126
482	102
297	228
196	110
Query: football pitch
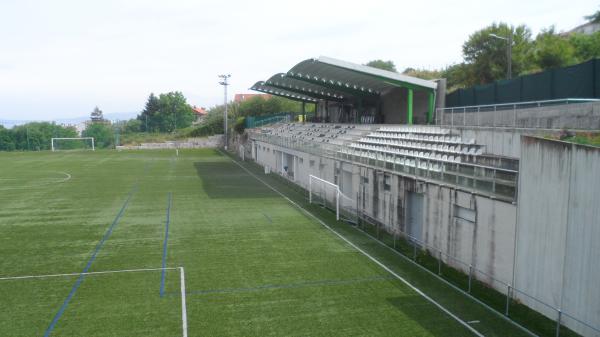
148	243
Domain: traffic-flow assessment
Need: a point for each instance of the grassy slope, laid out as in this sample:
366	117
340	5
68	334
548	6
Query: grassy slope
255	265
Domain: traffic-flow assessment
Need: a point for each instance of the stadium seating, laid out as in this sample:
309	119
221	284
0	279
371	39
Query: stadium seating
425	147
337	134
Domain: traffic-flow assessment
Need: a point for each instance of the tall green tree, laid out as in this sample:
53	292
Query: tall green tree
174	112
586	47
166	113
381	64
103	134
33	136
551	50
487	56
458	76
146	117
594	18
7	142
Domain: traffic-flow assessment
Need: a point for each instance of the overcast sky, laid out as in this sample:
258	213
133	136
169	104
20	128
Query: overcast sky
59	59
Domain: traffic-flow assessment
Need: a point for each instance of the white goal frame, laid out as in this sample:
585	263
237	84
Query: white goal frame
337	193
72	138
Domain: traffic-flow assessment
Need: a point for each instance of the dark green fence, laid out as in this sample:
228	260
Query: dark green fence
578	81
258	121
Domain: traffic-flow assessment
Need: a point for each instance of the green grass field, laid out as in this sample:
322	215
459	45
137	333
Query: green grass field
255	265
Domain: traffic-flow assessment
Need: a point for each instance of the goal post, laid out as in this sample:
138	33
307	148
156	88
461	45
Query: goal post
56	141
329	195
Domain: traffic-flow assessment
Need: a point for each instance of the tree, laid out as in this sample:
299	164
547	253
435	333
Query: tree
594	18
258	106
146	117
102	133
423	73
381	64
7	142
487	55
132	126
586	47
174	112
551	50
166	113
97	115
33	136
458	76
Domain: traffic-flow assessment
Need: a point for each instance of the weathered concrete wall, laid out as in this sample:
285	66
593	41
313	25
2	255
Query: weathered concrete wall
501	141
190	143
558	232
578	116
394	106
483	238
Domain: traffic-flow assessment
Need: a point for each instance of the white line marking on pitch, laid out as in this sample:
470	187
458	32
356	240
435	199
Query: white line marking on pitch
67	177
181	273
183	305
7	278
417	290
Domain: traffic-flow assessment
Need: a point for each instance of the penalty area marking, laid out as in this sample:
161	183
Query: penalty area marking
386	268
60	180
181	276
7	278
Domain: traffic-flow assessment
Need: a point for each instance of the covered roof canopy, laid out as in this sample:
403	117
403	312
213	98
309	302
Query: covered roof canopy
331	79
262	87
314	90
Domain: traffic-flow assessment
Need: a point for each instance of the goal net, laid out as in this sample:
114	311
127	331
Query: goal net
329	195
79	143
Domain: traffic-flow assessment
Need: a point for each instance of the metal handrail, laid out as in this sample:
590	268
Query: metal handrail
515	104
451	171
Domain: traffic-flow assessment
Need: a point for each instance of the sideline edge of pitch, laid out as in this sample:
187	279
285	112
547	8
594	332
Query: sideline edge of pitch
415	289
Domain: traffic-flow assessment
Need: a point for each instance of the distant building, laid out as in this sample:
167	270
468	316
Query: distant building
239	98
200	113
587	28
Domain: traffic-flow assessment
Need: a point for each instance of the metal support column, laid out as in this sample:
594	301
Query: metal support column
409	116
431	107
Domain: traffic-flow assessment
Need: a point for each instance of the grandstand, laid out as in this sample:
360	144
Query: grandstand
450	180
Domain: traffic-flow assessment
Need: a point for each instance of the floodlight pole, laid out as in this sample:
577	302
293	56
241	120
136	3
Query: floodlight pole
509	42
225	83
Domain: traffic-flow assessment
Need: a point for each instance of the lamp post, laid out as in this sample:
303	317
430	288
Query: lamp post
225	83
509	41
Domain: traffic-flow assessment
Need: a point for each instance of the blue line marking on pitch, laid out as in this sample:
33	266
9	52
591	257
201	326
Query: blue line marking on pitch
106	235
268	217
286	286
164	254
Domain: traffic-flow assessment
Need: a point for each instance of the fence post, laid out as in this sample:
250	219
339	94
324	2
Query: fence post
514	115
470	277
452	117
478	116
465	116
440	263
494	117
558	323
507	300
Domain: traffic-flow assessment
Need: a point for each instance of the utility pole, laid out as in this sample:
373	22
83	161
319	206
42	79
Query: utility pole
509	56
27	131
509	42
225	83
